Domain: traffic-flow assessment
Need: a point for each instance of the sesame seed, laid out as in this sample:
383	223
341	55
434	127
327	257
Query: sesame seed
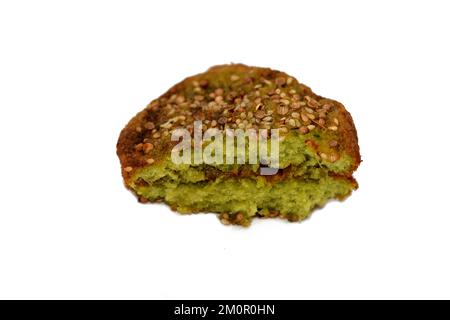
304	130
284	130
179	99
334	157
150	161
282	110
311	127
234	77
218	91
138	129
138	147
147	147
333	143
222	120
149	125
295	105
285	101
324	156
326	107
311	116
295	115
280	81
309	110
259	114
336	121
333	128
239	217
289	80
311	102
128	169
291	122
304	117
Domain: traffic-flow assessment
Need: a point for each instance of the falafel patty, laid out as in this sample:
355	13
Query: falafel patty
317	147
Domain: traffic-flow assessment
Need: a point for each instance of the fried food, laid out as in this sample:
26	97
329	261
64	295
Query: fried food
318	147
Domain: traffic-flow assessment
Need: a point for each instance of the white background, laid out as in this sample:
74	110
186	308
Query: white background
72	73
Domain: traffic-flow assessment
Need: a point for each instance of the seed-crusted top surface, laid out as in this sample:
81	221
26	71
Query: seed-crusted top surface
236	96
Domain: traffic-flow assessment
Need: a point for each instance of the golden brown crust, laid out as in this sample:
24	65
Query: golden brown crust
231	96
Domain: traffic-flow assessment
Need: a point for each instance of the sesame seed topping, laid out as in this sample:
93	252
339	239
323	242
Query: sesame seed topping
280	81
333	143
239	217
334	157
147	147
282	110
285	102
149	126
259	114
295	115
304	130
128	169
138	147
304	117
291	122
274	100
222	120
324	156
311	116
